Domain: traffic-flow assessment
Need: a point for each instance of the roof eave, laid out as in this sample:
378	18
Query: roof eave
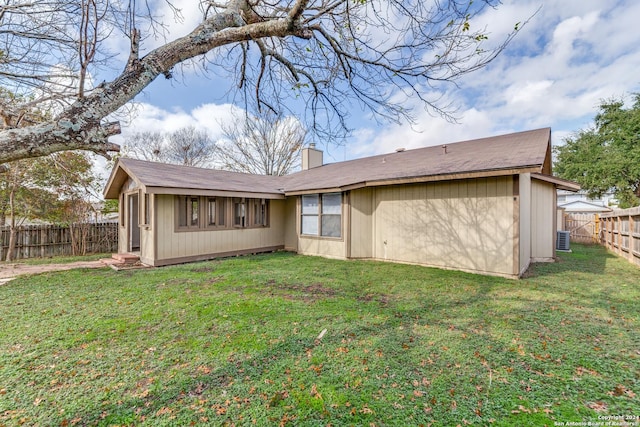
420	179
214	193
560	183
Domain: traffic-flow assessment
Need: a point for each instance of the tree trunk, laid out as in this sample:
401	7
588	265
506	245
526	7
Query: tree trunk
12	232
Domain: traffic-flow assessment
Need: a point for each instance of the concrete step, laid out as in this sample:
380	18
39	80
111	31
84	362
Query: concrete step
126	258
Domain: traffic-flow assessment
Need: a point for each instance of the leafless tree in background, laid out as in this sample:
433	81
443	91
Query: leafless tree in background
318	58
268	144
186	146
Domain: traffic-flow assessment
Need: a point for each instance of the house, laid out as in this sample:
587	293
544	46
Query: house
485	206
579	202
584	207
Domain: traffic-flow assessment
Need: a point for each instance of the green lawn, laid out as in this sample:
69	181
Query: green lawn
235	342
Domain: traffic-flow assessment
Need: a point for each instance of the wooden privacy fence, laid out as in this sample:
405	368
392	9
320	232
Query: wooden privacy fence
583	228
621	233
41	241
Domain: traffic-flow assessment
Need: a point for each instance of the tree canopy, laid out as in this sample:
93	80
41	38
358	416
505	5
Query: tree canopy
606	157
319	58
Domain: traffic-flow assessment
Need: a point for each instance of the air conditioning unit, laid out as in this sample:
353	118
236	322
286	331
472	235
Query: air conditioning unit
562	241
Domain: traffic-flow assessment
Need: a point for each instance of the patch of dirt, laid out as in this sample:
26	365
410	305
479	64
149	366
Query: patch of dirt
383	300
11	271
297	291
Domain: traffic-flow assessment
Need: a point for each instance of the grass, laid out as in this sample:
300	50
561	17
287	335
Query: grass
235	342
58	259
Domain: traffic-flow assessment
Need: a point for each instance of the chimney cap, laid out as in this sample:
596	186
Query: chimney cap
312	145
400	150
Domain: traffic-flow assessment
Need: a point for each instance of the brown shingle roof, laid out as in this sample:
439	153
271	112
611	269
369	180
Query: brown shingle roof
505	152
152	174
517	151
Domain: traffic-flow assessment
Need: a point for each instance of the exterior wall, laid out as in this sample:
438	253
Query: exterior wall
128	188
147	231
464	224
291	224
123	238
560	223
183	246
330	247
543	221
524	197
361	218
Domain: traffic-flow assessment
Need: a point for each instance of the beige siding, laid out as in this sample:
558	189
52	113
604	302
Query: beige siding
361	223
147	245
525	221
123	239
465	224
330	248
543	215
291	224
560	223
172	244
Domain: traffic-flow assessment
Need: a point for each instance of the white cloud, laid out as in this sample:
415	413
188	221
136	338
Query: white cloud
569	57
151	118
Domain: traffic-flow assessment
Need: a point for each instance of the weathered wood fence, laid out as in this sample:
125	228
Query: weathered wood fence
41	241
583	228
621	233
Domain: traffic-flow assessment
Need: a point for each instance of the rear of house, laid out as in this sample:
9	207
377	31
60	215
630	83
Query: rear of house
486	206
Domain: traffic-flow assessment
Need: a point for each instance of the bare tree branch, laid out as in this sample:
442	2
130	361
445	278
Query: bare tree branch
312	57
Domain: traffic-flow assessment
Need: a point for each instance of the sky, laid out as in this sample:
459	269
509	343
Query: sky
570	56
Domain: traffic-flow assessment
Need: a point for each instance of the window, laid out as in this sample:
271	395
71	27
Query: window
331	215
147	209
260	209
188	211
239	213
215	211
193	212
322	215
310	207
206	213
122	206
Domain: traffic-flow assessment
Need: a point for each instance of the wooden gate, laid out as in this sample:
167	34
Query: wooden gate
584	228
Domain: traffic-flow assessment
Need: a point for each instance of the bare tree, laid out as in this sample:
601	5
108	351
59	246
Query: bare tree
316	56
186	146
267	145
147	145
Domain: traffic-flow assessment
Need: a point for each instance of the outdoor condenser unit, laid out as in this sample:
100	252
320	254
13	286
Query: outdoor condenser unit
562	241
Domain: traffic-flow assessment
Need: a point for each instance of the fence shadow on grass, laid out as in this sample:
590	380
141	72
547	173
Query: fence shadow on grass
582	259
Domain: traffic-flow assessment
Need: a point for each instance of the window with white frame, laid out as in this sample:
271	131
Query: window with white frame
321	215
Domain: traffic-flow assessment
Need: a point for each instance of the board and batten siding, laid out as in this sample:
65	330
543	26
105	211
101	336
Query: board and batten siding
291	224
524	213
182	246
465	224
543	221
147	231
361	223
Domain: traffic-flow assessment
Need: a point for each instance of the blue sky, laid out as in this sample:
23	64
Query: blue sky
569	57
